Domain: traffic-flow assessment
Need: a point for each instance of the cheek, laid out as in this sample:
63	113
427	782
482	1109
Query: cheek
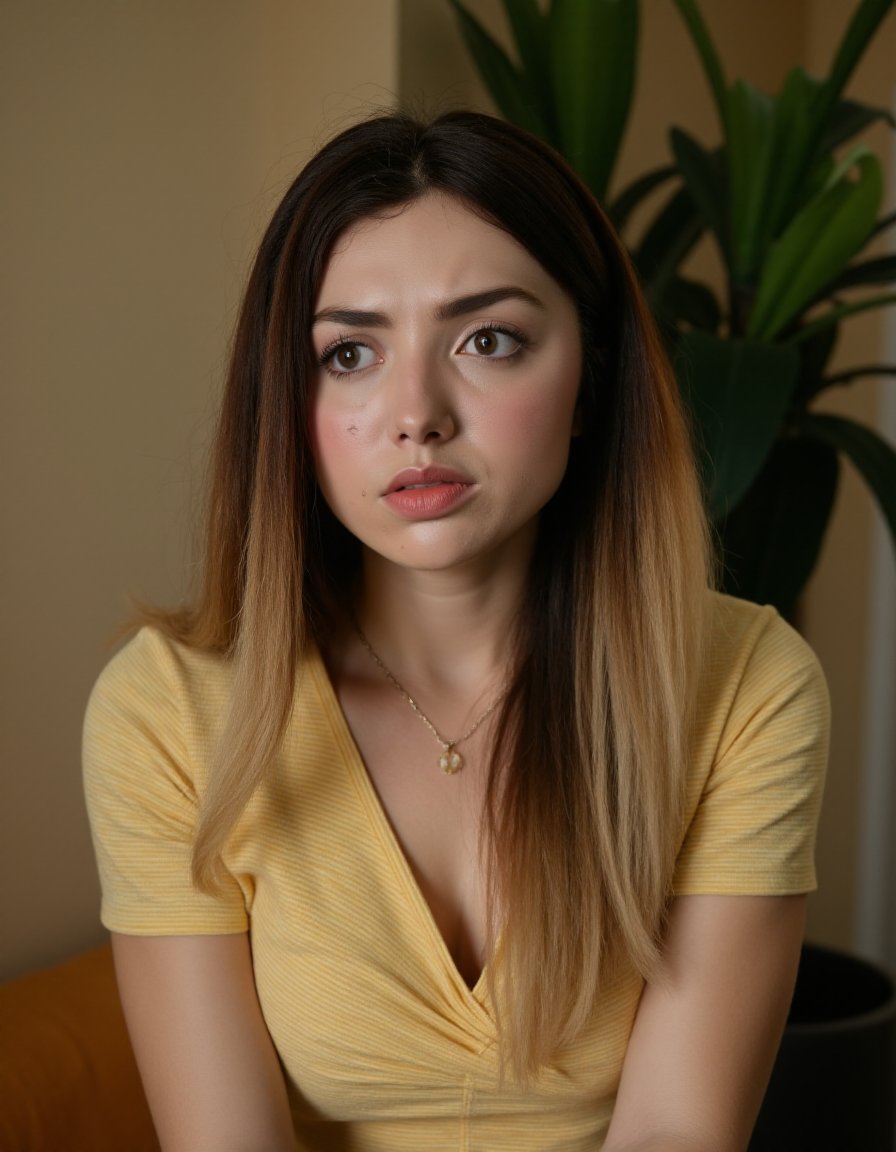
541	420
336	442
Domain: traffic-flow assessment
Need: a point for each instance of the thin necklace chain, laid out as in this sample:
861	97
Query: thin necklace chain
451	760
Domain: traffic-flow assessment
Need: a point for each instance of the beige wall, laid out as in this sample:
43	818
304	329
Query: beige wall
146	144
143	147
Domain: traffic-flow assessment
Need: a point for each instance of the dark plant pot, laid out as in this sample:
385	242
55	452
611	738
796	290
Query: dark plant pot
833	1084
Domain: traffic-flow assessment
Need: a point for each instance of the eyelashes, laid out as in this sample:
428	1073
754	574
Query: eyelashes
498	342
488	331
355	357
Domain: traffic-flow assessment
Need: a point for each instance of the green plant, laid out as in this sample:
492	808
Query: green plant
791	203
573	86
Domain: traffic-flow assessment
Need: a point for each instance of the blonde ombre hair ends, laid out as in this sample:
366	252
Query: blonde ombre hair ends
585	793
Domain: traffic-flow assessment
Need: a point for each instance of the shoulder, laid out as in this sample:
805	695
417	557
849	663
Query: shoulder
756	661
150	733
762	712
738	629
154	677
152	666
155	699
158	694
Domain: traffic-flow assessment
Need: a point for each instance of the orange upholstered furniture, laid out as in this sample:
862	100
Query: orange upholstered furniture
68	1081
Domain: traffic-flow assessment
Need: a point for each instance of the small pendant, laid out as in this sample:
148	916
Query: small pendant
451	761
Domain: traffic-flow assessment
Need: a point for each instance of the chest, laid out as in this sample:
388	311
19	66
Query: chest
374	1022
435	817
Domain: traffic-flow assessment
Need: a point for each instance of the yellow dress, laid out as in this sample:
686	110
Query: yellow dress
384	1047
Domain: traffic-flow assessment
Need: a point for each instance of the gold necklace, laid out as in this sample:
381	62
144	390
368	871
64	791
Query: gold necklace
450	760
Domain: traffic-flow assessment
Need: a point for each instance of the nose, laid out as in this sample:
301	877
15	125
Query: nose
422	402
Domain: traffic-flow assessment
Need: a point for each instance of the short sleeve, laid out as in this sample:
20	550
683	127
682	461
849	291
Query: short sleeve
754	825
140	787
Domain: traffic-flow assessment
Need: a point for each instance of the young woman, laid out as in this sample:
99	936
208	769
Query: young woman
458	813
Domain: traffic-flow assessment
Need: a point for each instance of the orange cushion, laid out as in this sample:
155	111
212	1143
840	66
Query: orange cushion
68	1079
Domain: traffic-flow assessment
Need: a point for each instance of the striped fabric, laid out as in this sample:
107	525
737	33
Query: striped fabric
384	1046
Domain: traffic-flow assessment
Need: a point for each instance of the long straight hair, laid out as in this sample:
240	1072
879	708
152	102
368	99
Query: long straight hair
585	792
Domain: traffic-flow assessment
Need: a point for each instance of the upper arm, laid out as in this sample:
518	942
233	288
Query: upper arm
208	1065
709	1022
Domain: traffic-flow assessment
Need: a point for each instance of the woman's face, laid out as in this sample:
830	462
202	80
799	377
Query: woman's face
449	365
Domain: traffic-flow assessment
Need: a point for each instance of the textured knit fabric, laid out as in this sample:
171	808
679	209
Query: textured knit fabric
384	1047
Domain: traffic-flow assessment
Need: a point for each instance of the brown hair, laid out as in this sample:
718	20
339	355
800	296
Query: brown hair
586	781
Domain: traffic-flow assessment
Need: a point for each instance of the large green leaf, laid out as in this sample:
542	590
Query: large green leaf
771	542
668	240
865	22
703	173
751	151
739	392
815	355
530	28
593	50
841	312
818	244
792	159
815	179
770	160
859	372
621	207
508	86
848	119
884	223
871	454
712	64
828	120
775	143
880	270
531	33
688	302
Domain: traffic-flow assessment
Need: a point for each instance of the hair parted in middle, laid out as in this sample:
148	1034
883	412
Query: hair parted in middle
585	794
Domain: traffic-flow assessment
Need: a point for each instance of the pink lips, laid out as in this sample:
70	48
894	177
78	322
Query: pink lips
426	493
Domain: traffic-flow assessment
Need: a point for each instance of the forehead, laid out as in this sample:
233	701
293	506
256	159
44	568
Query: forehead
436	238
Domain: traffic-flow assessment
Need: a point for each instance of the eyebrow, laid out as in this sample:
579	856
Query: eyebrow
450	310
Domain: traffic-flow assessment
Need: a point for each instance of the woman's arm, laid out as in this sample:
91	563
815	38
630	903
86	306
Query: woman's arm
708	1026
209	1068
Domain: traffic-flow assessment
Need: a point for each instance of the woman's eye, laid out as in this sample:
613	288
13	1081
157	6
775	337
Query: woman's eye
492	342
347	357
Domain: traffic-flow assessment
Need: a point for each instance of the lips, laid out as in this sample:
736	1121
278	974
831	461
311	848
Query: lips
422	478
428	493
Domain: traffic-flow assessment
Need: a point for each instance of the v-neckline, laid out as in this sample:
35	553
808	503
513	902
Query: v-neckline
477	994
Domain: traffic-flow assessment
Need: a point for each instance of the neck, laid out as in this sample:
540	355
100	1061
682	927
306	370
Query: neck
443	633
